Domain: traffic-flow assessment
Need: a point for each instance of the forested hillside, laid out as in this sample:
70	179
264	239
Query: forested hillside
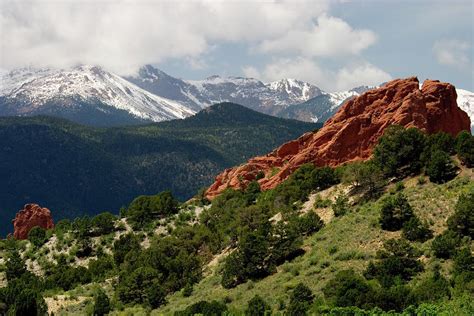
392	235
76	170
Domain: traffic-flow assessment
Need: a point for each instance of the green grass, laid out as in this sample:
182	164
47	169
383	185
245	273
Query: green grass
350	241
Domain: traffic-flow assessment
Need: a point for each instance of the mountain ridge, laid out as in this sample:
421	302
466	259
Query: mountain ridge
48	91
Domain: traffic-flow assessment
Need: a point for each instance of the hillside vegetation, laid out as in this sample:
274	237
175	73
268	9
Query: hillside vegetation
389	236
76	170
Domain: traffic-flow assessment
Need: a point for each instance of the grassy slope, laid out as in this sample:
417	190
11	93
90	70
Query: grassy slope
346	242
350	241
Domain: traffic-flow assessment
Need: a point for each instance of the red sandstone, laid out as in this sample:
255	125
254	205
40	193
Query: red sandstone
30	216
352	133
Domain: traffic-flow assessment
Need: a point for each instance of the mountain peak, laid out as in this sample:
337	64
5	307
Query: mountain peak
81	91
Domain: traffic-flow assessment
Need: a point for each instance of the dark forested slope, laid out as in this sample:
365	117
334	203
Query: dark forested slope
74	170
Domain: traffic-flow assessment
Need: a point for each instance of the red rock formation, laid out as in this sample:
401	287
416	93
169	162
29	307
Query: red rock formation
32	215
354	130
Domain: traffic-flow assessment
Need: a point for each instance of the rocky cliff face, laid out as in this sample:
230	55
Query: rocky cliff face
354	130
30	216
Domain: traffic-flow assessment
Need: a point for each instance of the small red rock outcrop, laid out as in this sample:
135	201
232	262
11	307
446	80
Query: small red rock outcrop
354	130
30	216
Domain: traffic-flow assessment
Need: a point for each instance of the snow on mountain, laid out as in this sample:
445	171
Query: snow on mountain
198	94
466	102
297	91
322	106
36	88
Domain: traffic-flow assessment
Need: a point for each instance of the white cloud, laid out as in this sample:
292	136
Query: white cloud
250	72
124	34
300	68
330	37
452	52
358	74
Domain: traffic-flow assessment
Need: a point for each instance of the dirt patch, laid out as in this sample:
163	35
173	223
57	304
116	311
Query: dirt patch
325	213
58	302
211	266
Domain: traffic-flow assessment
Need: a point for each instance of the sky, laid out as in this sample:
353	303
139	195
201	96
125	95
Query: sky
335	45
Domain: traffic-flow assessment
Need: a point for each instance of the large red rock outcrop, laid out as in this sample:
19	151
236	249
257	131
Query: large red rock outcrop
354	130
30	216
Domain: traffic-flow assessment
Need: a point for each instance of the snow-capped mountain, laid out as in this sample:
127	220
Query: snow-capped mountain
91	95
321	107
87	94
295	91
466	102
198	94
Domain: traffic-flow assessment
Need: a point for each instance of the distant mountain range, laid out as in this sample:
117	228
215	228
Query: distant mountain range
94	96
84	94
197	94
76	170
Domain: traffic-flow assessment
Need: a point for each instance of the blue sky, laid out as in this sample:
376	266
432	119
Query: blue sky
333	44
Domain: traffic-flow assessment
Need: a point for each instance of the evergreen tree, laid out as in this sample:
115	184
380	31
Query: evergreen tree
444	245
465	148
300	300
395	211
440	168
415	230
37	236
399	151
462	221
257	307
15	266
101	303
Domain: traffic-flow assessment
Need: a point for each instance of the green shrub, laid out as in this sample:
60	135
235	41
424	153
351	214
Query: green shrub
440	141
37	236
435	288
367	178
103	223
135	287
15	266
397	261
124	245
144	208
440	168
319	202
101	303
348	288
308	223
395	212
100	267
444	245
156	295
257	307
462	221
188	290
463	262
399	151
301	299
415	230
465	148
232	272
301	183
213	308
341	205
25	301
